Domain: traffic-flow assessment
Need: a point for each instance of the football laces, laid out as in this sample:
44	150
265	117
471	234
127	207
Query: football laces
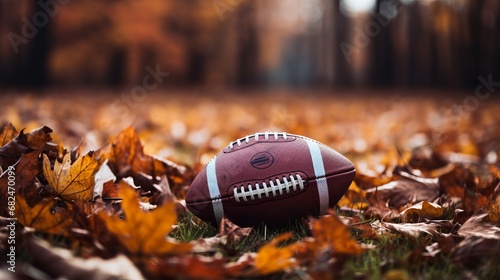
256	136
266	189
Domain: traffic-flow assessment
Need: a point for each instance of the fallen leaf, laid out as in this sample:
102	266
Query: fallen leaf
364	229
404	191
426	159
24	172
127	158
22	143
72	181
7	133
60	263
244	265
420	211
330	230
354	198
453	183
144	233
380	210
475	226
475	250
232	233
494	210
368	181
409	229
192	267
48	215
270	258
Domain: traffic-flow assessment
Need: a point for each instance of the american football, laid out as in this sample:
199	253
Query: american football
270	178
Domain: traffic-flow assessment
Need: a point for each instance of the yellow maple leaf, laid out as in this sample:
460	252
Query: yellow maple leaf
72	181
145	232
46	216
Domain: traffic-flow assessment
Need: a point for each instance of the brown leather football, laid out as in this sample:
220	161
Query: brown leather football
271	178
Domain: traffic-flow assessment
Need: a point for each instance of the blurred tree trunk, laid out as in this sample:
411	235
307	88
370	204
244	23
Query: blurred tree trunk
248	46
23	59
341	30
382	52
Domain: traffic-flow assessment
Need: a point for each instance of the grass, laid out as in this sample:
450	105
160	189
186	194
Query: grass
394	256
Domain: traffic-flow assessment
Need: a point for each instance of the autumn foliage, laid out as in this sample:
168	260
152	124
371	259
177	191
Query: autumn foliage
118	205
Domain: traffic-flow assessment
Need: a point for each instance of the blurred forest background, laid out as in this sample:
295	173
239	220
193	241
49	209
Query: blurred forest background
240	43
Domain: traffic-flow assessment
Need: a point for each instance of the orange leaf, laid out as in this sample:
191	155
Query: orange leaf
8	133
271	258
47	216
330	230
127	158
145	232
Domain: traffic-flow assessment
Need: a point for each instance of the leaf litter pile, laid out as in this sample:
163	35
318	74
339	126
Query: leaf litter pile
98	188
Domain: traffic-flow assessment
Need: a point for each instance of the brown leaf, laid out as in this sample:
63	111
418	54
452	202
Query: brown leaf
404	191
7	133
494	210
144	233
231	232
426	159
364	227
381	210
24	172
476	250
192	267
453	183
475	226
72	181
34	140
409	229
127	158
242	266
421	211
48	215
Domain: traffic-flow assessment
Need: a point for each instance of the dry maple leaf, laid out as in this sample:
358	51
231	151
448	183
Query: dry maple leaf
127	158
270	258
142	232
330	230
22	143
422	210
47	216
72	181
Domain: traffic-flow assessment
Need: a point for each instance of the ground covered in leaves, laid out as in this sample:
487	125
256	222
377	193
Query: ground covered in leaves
92	186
